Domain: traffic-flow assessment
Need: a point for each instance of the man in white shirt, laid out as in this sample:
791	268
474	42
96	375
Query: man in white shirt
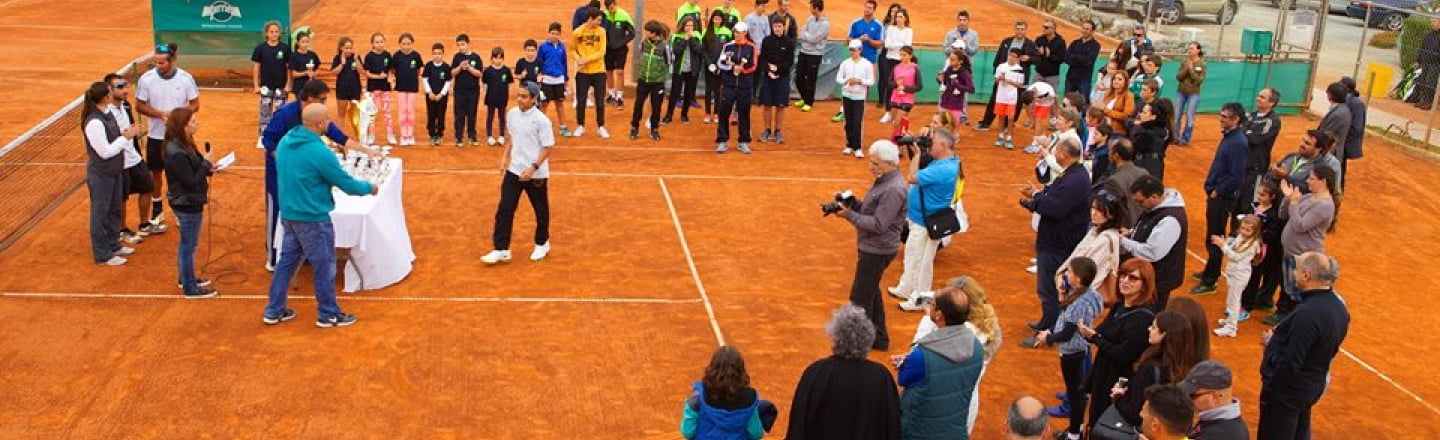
137	178
526	168
162	89
855	77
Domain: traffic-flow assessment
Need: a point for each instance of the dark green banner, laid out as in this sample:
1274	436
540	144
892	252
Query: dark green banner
218	15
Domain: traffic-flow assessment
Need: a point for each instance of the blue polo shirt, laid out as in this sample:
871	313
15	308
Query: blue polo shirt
874	29
938	179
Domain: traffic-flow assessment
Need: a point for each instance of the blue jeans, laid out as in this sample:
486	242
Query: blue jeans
1186	109
190	223
314	242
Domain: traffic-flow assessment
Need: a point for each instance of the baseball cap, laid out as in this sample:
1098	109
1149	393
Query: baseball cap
742	27
854	44
1207	375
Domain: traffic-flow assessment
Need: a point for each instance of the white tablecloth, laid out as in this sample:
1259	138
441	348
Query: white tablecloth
374	229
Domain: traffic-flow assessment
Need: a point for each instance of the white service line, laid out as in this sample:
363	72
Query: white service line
1357	360
350	297
685	245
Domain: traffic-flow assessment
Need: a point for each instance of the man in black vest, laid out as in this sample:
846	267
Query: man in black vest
1159	235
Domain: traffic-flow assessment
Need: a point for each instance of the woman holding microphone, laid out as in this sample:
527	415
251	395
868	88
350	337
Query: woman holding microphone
188	170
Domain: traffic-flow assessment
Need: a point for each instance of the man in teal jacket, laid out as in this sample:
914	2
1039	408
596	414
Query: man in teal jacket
940	373
306	170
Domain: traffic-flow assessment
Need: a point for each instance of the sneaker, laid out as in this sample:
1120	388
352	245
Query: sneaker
779	138
1032	148
114	261
1203	289
885	118
579	131
153	228
125	250
912	305
500	140
259	144
654	135
285	315
1030	342
269	267
619	103
602	133
200	282
203	293
634	134
684	119
158	218
765	136
798	103
541	250
341	320
130	237
1273	319
859	154
744	148
1244	316
495	257
1009	144
1032	269
895	292
999	141
490	140
847	151
1058	411
665	121
706	120
474	142
721	147
459	143
805	108
1063	397
839	117
982	127
1225	332
1033	261
565	132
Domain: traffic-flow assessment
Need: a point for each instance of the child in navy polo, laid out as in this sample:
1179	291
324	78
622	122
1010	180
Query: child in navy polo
465	68
497	79
304	63
527	68
347	80
272	77
377	82
407	62
437	93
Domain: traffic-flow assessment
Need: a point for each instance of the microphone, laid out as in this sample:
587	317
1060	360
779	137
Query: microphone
207	146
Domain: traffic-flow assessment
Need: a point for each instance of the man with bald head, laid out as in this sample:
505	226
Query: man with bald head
306	170
941	372
1296	366
1027	420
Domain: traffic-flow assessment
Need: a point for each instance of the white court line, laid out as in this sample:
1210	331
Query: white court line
684	245
349	297
1357	360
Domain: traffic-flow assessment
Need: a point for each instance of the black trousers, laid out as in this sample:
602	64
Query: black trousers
734	100
1217	217
1162	298
1264	279
712	92
1284	417
435	116
589	82
682	91
538	193
655	93
466	104
491	114
865	292
885	82
806	75
1074	368
854	120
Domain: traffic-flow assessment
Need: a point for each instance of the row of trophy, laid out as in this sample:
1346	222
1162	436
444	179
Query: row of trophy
367	167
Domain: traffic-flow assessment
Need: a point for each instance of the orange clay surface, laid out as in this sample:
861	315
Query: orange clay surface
440	355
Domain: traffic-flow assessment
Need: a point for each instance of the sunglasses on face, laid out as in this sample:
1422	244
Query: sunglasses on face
120	85
1133	277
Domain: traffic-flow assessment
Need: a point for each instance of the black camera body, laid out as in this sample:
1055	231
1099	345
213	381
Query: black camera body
844	198
910	144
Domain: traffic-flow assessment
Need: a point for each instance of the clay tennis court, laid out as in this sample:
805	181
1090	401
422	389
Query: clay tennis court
661	250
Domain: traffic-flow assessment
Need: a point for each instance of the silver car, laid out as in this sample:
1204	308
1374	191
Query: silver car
1171	11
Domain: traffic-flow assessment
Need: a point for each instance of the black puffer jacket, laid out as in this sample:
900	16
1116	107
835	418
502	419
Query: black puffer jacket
187	177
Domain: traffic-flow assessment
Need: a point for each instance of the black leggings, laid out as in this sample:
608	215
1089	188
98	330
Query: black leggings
491	114
682	91
1074	368
712	92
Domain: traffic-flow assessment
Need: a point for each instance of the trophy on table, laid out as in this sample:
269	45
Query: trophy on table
368	167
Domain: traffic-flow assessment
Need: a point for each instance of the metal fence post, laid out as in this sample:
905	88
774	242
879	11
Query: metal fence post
1364	29
1430	124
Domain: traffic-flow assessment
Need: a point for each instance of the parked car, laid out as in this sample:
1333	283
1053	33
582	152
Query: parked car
1384	18
1171	11
1336	6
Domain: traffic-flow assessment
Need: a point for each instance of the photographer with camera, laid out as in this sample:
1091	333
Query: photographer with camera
878	219
931	189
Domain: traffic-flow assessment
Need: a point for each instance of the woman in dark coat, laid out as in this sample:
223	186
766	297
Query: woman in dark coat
1124	335
1153	135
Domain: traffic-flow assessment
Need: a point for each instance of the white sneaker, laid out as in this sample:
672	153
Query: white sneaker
859	154
490	140
1226	332
912	305
115	261
1032	261
885	119
501	140
602	133
847	152
125	251
540	252
269	267
259	144
579	131
1032	269
495	257
895	292
390	139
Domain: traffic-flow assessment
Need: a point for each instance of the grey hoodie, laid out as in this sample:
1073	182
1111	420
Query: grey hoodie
956	343
812	36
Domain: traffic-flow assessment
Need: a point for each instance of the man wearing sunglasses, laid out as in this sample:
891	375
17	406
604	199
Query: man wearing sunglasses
287	117
137	178
1218	411
1051	48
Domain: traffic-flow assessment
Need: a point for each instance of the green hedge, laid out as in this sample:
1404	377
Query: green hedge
1411	34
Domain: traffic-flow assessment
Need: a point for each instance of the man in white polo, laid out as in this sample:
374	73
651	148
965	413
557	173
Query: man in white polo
526	168
160	90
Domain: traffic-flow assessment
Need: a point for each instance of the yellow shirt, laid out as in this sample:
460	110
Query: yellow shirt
589	45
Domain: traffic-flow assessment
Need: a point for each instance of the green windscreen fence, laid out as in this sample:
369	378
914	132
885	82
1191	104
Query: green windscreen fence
1227	80
218	34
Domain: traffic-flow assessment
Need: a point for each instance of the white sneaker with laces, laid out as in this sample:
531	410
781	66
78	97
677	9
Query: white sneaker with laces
259	144
579	131
115	261
501	140
885	119
895	292
541	251
859	154
604	134
490	140
125	251
848	152
1032	269
496	257
1226	332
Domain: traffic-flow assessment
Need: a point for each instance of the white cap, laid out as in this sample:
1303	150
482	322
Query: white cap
854	44
741	27
958	45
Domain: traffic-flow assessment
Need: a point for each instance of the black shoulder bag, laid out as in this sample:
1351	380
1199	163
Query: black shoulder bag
943	222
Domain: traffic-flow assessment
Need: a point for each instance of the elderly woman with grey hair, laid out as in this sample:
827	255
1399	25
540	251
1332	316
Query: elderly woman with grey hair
846	396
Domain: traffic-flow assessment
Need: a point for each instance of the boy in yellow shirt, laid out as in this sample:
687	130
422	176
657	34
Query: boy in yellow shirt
588	43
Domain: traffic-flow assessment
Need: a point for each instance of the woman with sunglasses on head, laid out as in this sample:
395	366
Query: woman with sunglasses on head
1123	337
